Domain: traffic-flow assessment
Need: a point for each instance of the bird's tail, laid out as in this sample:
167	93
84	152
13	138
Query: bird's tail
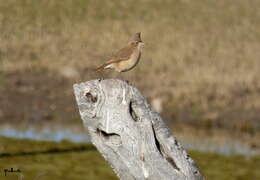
99	68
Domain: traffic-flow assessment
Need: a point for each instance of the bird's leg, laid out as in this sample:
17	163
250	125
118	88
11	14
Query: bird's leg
101	78
122	78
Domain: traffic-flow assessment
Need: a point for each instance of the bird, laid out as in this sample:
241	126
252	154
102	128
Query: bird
126	58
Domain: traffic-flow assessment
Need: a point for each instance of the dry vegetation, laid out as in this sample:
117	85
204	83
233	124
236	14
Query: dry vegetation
201	57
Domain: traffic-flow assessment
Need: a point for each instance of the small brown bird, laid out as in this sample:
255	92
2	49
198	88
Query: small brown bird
126	58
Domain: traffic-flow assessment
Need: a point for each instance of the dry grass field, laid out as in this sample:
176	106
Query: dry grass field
201	58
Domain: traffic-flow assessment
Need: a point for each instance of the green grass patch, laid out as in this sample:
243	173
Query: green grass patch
67	160
64	160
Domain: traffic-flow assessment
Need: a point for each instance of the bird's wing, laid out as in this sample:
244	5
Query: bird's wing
122	55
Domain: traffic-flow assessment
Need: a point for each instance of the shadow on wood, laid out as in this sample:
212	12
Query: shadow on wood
129	134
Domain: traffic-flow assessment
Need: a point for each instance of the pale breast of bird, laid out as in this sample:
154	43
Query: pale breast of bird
131	63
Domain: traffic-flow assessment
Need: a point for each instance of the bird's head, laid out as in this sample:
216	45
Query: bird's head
137	44
136	41
140	45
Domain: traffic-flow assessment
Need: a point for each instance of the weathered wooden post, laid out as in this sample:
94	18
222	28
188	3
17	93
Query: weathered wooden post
130	135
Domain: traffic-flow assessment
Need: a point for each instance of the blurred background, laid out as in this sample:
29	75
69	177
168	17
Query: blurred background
200	69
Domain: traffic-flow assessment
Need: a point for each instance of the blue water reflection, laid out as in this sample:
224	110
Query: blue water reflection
64	134
44	134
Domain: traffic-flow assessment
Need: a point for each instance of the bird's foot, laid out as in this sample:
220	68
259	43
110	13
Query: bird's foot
125	80
100	79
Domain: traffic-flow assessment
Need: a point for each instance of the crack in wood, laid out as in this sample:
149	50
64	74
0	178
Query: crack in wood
132	111
112	138
91	97
162	152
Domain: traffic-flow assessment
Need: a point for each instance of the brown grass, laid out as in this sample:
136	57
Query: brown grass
203	56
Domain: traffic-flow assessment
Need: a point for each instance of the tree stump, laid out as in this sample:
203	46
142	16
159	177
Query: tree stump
129	134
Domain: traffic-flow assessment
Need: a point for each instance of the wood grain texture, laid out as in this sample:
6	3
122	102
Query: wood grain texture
129	134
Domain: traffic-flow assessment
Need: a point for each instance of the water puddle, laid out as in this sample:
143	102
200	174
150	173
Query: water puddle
225	149
57	135
44	134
